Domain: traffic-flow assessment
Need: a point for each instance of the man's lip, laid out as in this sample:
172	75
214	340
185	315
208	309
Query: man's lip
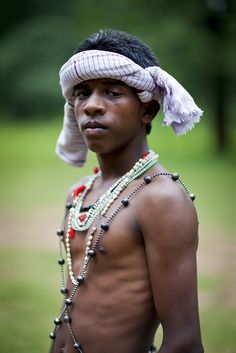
93	125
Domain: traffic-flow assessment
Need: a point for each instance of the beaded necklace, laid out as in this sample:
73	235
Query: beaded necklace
93	241
82	220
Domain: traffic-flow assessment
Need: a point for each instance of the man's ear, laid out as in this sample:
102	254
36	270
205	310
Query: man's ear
150	110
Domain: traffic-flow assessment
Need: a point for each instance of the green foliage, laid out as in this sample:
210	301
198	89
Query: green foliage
30	60
37	38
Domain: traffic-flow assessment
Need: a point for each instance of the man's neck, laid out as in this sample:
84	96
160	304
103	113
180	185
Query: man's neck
116	164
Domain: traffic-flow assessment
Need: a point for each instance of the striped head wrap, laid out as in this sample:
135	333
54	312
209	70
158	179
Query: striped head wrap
153	83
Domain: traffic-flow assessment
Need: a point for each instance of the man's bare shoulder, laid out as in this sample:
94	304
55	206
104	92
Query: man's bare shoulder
165	207
163	190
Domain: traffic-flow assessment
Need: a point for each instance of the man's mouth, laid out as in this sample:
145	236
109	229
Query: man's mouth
93	125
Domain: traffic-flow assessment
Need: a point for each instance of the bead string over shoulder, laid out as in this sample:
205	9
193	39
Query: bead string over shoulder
94	237
82	220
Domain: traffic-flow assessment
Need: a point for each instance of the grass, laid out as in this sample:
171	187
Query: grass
32	179
32	175
219	328
27	308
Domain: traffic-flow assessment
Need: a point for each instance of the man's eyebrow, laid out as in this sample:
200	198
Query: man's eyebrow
108	81
114	82
81	85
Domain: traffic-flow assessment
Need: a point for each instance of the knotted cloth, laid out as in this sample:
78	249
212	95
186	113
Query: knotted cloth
152	83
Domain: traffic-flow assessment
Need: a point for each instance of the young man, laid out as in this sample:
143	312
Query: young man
130	231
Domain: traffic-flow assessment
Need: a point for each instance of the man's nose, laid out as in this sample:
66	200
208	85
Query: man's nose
94	105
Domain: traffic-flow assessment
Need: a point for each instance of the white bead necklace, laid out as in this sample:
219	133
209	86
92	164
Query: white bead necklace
100	208
83	220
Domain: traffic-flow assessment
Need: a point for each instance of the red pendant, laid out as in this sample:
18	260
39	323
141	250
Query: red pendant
82	217
96	170
78	190
145	154
71	233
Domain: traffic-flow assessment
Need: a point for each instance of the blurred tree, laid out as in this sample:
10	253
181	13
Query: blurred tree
15	12
12	13
43	41
37	37
29	63
219	12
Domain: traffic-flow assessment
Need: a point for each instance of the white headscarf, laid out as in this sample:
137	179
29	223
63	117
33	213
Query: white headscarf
153	83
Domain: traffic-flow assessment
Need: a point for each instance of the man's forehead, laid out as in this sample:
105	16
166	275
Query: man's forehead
101	81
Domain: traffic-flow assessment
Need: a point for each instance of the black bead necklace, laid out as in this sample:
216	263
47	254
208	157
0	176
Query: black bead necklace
104	227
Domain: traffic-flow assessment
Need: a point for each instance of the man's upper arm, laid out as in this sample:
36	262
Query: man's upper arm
170	230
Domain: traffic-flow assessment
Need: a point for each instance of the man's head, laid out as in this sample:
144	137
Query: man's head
125	44
110	54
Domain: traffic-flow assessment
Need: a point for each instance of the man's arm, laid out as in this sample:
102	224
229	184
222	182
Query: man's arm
169	226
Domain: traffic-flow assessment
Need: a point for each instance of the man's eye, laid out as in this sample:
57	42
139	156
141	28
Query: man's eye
113	93
81	94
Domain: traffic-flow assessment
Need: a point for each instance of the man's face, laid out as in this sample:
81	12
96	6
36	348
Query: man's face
109	114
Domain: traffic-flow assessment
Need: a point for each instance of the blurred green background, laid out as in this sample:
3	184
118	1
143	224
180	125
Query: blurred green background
194	40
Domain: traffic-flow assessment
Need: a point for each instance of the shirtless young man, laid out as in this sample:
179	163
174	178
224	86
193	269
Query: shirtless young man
131	251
